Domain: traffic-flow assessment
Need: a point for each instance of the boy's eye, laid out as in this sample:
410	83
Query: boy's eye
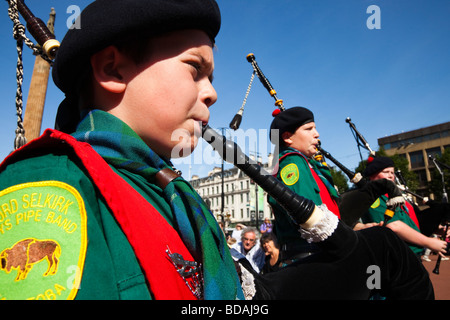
197	67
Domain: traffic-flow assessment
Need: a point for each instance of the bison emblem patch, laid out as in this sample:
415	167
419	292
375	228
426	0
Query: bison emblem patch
25	253
42	241
289	174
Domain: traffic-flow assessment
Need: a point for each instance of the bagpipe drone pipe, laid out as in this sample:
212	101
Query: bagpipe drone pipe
35	26
340	269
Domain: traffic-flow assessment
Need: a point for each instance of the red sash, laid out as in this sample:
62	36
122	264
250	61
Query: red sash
149	234
411	213
323	191
325	195
409	210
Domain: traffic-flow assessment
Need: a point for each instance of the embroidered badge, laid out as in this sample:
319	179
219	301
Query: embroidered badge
42	241
289	174
376	204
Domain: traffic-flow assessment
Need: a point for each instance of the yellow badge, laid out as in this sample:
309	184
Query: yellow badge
289	174
42	241
375	204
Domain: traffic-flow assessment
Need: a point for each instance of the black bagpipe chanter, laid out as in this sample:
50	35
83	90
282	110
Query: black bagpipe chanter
341	265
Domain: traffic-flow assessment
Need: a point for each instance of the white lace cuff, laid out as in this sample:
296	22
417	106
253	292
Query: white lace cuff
323	228
395	202
248	283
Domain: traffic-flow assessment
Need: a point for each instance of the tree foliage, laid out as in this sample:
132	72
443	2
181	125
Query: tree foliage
340	179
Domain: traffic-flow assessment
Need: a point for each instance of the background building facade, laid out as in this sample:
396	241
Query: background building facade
240	196
417	146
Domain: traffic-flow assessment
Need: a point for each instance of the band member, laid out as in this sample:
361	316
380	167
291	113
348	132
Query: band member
134	72
404	221
298	138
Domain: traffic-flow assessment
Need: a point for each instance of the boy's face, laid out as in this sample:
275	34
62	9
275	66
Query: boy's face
304	139
386	173
167	99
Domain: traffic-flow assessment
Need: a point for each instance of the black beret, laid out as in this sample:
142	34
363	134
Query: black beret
376	165
104	22
290	119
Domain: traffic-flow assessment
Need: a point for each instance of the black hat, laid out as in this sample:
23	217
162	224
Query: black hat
290	119
103	22
376	164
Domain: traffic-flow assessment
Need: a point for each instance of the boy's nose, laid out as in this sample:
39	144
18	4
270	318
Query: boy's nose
209	95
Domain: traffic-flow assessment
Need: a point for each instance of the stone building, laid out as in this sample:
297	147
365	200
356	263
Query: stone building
233	200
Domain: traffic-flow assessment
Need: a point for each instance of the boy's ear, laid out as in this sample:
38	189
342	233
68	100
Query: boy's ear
108	66
286	136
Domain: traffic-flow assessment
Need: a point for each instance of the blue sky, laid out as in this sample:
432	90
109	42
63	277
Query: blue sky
318	54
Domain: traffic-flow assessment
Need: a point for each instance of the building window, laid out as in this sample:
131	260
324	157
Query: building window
422	177
417	160
433	152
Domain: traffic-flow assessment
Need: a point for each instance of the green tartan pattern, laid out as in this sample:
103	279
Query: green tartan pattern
121	147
